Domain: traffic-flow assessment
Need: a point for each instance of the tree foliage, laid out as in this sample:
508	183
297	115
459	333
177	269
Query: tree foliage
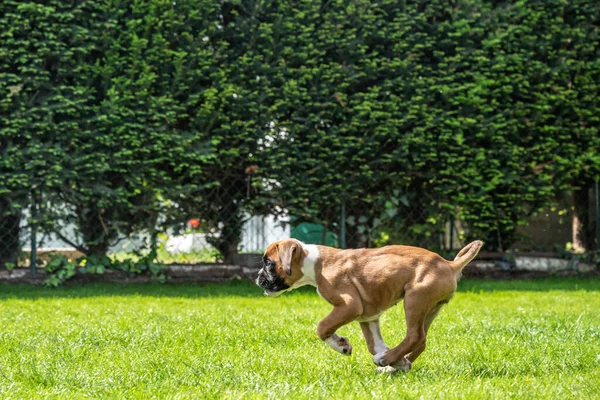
478	109
121	116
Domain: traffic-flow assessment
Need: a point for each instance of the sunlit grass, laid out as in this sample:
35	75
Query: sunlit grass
496	340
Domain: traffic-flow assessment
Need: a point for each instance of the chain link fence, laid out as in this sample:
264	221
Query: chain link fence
11	239
230	230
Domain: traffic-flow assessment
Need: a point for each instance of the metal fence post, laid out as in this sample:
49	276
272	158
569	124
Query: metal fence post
451	232
598	215
33	232
343	226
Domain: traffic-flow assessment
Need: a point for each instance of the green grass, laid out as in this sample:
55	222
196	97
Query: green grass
496	340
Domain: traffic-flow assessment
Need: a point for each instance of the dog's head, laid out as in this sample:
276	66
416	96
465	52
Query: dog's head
282	266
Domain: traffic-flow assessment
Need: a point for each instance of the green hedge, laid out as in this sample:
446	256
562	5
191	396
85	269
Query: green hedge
407	112
478	109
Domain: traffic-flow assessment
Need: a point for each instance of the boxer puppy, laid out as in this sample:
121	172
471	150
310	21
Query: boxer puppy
361	284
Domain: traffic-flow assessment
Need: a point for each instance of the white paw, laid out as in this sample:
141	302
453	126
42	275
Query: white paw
386	370
339	344
377	357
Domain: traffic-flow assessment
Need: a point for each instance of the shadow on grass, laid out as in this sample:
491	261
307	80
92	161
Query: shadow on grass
227	289
591	283
247	289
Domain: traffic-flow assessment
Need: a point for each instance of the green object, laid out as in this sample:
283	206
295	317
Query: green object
313	234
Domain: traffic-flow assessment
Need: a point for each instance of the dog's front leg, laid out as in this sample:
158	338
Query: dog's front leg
375	343
339	316
372	334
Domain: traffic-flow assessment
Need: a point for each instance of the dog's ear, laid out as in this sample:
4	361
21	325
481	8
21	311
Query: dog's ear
286	256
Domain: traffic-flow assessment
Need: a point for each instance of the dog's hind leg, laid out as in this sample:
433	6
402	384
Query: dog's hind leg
417	306
428	320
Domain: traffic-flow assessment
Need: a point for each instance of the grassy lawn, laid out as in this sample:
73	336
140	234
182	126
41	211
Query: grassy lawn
496	340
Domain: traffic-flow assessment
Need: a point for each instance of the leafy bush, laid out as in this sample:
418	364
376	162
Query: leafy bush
60	268
123	117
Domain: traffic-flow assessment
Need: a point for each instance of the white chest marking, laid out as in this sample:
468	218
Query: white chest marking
308	267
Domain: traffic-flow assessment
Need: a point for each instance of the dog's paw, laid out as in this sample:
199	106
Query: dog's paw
404	365
339	344
377	359
383	360
345	346
386	370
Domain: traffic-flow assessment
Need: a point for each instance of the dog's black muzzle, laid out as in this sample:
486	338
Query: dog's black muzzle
270	282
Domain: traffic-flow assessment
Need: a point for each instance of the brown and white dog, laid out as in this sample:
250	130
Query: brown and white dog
361	284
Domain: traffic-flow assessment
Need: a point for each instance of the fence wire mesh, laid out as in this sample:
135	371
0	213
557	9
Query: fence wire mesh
10	239
230	229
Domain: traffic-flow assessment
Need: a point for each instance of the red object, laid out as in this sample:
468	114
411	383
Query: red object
194	223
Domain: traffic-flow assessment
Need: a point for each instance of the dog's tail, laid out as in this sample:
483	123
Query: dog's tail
466	255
